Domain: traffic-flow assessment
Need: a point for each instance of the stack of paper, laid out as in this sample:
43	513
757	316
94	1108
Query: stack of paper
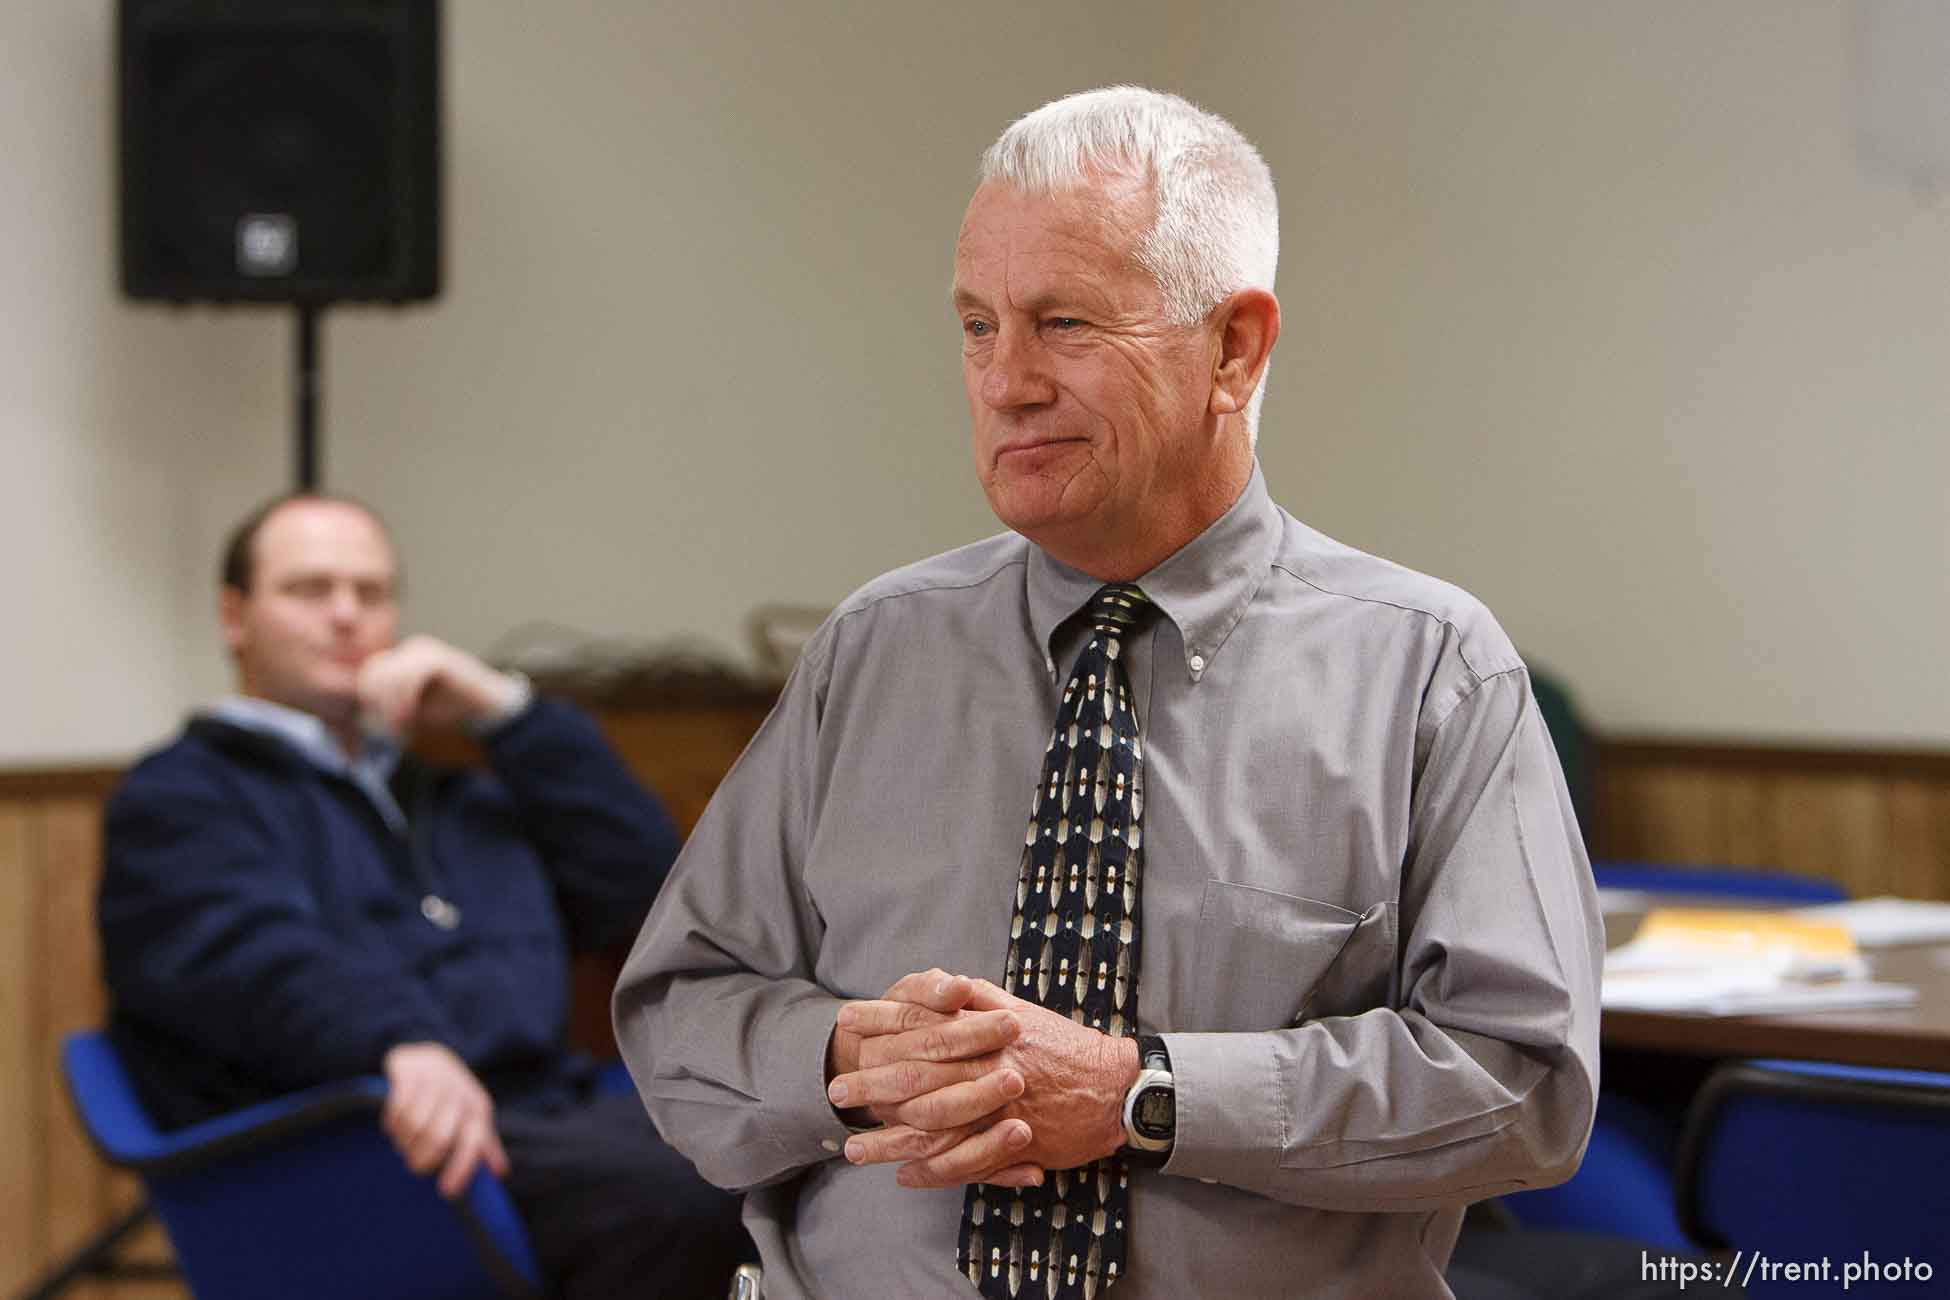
1740	963
1887	922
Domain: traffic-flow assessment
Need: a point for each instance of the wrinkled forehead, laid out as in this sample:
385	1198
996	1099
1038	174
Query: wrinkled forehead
1093	229
1106	210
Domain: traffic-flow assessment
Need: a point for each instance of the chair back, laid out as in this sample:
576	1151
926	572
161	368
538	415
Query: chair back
1797	1161
303	1197
1746	884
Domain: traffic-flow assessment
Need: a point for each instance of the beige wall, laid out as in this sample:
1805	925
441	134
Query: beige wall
124	434
1589	308
695	352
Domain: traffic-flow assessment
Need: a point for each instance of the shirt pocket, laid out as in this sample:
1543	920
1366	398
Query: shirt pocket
1267	960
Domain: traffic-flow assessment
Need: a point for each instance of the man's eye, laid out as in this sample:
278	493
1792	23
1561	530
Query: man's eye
977	329
310	588
1065	323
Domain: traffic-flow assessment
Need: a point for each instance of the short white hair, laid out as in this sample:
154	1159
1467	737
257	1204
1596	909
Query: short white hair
1217	226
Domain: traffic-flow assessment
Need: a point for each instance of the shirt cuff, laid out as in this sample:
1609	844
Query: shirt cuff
1231	1109
801	1120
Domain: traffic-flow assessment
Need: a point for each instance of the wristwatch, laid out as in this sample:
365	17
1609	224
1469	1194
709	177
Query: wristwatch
1150	1107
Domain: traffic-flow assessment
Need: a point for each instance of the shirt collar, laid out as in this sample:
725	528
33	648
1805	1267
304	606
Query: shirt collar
1203	587
306	734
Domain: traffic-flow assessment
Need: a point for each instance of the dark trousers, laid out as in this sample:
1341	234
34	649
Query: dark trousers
615	1214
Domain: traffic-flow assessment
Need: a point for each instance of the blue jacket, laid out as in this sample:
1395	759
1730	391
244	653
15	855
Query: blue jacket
262	927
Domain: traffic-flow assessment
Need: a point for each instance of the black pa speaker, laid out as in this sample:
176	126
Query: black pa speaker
280	150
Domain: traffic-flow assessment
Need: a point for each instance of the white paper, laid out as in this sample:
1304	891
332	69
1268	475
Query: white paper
1675	973
1887	922
1690	995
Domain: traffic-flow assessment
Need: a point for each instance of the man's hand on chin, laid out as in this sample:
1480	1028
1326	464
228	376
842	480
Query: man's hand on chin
426	683
974	1085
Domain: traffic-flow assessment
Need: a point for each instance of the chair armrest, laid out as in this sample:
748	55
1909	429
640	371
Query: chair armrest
275	1156
115	1122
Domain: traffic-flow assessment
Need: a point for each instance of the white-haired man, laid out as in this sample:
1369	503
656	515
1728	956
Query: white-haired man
1298	954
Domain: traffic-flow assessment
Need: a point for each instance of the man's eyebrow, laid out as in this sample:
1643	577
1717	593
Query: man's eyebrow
961	297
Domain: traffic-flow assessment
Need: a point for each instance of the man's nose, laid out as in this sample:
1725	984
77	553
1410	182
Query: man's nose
1017	373
345	605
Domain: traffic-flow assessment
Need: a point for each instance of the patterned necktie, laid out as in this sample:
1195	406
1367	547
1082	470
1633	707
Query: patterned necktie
1073	948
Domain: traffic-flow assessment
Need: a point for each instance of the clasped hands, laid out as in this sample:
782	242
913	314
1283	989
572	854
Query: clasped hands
974	1085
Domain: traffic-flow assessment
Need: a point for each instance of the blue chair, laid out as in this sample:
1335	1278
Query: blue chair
1792	1160
1742	884
302	1197
1625	1185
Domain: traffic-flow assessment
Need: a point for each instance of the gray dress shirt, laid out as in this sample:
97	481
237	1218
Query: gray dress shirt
1368	931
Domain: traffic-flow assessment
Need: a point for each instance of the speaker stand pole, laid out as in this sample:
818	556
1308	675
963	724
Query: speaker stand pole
308	396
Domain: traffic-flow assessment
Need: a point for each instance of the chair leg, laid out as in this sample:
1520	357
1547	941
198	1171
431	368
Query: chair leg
96	1258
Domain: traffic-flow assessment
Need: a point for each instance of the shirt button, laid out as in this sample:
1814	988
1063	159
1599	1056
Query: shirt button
1198	663
830	1144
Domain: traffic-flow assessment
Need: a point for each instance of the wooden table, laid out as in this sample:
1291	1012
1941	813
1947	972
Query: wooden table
1911	1038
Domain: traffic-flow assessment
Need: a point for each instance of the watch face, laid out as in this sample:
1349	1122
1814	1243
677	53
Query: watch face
1155	1112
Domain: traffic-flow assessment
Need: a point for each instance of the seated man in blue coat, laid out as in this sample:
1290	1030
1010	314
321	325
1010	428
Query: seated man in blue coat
289	898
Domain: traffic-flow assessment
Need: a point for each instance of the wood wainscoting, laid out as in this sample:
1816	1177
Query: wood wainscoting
54	1193
1879	822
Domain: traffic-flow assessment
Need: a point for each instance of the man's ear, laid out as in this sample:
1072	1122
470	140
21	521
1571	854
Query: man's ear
1249	325
230	616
